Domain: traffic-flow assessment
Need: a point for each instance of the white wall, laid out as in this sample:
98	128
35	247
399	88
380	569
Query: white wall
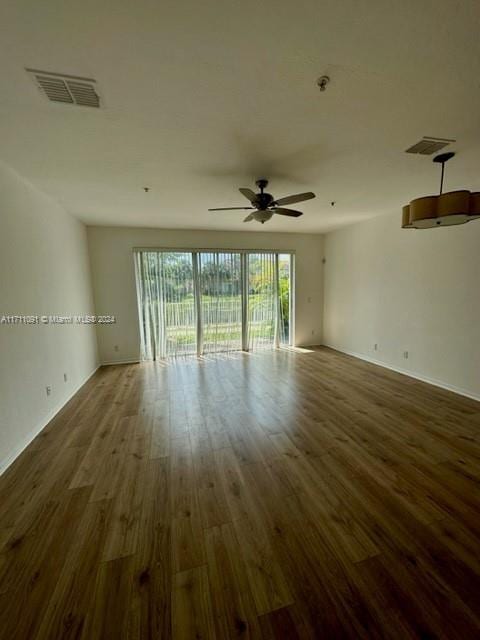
44	270
114	282
407	290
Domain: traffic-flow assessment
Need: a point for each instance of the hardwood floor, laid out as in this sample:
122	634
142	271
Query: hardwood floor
279	495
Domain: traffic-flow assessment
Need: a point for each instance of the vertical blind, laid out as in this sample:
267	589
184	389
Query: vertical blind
263	318
220	301
196	302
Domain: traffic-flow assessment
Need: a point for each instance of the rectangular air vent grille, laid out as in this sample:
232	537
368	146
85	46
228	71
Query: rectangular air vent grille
67	89
428	145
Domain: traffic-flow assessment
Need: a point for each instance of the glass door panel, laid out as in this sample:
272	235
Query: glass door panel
262	300
179	304
285	298
220	301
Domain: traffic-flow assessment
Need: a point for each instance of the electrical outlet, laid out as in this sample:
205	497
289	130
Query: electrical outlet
405	355
309	299
65	377
375	347
48	390
115	348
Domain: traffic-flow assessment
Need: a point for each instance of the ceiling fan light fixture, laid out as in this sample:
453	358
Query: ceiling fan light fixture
443	210
406	224
262	215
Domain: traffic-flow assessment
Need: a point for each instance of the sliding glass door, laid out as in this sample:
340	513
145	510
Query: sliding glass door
195	302
269	299
220	301
262	300
165	289
285	298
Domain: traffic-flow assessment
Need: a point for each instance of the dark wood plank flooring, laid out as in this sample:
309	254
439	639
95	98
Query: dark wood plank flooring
275	495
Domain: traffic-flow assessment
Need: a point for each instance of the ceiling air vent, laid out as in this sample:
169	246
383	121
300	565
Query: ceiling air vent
428	145
67	89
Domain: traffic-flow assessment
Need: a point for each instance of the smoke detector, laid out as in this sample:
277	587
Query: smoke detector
322	82
58	87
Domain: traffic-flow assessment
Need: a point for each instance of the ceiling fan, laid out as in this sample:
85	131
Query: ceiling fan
265	205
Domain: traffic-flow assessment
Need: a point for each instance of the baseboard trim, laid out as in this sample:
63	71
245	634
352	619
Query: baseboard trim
409	373
13	454
107	364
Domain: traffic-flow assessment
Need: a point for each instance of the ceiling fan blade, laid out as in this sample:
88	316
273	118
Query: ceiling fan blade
248	193
230	208
249	218
286	212
299	197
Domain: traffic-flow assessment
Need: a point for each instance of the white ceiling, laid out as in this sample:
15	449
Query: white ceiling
203	97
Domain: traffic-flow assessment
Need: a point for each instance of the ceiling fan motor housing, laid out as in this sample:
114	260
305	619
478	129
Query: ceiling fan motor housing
263	200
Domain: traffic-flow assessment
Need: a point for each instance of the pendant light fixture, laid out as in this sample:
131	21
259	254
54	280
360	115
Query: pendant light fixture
446	209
